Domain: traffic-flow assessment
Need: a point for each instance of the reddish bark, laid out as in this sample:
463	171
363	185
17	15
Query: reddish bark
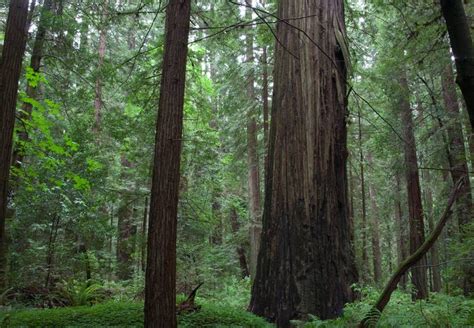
306	262
10	69
160	280
417	230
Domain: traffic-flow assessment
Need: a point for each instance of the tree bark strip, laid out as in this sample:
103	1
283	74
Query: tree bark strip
10	69
160	280
463	49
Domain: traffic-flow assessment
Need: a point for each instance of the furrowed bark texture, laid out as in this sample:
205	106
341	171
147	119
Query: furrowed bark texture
415	207
306	262
463	50
160	280
10	69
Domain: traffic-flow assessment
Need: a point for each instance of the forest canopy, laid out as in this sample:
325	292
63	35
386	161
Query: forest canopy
224	163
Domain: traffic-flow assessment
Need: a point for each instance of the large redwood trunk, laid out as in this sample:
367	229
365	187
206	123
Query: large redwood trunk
306	261
10	69
417	234
463	50
160	280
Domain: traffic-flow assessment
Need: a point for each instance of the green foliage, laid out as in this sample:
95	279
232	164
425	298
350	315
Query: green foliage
126	314
438	311
78	293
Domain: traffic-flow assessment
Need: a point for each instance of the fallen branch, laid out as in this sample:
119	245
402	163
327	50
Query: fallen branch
371	318
189	305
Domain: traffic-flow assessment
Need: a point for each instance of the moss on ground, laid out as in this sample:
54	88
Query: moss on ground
125	314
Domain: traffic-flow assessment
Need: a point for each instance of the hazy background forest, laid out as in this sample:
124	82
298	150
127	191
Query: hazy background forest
81	170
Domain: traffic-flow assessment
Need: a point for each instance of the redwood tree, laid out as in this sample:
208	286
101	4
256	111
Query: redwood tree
415	207
463	49
160	280
306	262
10	69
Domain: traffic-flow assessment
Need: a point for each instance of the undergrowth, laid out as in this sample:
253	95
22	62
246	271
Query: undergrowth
439	310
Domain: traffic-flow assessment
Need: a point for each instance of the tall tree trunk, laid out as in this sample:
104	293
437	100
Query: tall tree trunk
458	163
365	274
126	231
143	237
252	157
417	229
265	94
463	50
306	261
377	256
31	91
160	281
435	273
98	102
401	235
234	222
10	69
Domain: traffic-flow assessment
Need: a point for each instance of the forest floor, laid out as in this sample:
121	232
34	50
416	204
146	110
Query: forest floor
439	311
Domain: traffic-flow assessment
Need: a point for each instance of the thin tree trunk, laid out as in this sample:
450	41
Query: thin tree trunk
98	102
32	91
160	281
463	50
143	239
435	273
53	233
125	233
240	248
417	234
401	224
365	274
10	69
252	158
377	256
265	94
306	261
